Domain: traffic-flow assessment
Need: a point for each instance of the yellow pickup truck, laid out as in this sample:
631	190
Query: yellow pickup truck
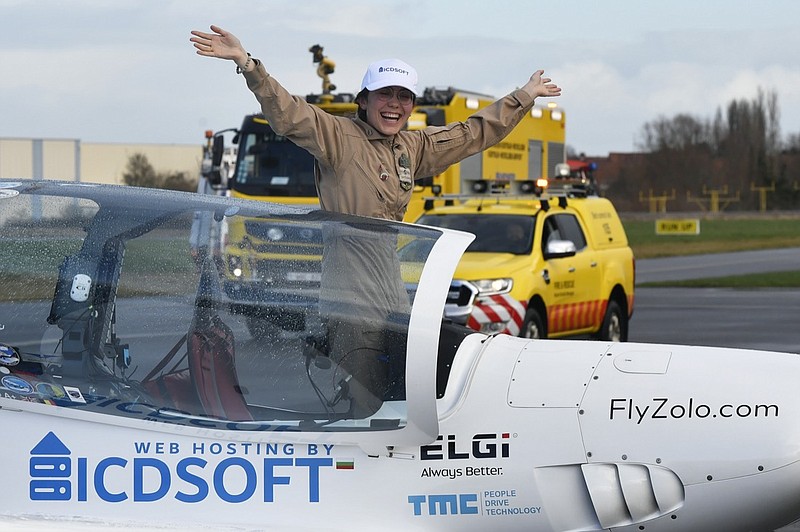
541	266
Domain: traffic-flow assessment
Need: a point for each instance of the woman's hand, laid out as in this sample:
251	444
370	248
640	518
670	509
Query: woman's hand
539	86
221	44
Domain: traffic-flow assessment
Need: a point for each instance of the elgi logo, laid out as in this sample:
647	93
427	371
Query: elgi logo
489	445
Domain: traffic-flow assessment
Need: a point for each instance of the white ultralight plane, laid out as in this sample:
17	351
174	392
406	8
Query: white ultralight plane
148	379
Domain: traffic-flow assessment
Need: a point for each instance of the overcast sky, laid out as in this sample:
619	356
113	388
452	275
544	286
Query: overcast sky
124	70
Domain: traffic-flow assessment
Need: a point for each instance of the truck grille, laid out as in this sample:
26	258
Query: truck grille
460	299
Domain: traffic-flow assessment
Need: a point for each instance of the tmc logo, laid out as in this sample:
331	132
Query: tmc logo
50	469
445	504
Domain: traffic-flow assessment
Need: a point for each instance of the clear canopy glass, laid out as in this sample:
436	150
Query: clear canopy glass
204	311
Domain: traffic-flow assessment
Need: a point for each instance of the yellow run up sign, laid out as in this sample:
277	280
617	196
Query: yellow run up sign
689	226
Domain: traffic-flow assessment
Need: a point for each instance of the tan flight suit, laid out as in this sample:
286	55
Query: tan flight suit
360	171
351	155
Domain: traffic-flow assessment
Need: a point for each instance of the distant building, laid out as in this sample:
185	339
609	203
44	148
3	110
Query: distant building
90	162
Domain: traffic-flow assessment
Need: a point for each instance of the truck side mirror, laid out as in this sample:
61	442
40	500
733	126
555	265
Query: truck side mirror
558	249
215	176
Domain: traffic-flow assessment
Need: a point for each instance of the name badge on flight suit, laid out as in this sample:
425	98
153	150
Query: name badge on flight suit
404	171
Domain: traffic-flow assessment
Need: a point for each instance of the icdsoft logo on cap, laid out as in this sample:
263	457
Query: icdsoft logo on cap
390	73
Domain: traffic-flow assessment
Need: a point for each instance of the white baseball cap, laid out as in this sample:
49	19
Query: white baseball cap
390	73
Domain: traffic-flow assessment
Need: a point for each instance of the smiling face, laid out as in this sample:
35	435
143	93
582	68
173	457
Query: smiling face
388	108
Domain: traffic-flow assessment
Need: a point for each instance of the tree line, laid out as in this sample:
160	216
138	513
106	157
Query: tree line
738	154
140	173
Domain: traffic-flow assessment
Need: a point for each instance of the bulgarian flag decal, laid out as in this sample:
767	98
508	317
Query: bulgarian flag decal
345	463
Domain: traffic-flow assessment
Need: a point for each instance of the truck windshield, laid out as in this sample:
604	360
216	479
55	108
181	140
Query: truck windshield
272	165
496	233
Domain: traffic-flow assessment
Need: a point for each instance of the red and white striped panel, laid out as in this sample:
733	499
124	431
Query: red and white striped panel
498	308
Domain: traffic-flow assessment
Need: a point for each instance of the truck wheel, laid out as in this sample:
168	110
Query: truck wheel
615	324
532	327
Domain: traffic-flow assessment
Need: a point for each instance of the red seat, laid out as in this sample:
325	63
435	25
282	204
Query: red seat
213	369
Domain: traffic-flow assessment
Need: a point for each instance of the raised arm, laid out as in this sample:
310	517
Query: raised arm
223	45
454	142
288	115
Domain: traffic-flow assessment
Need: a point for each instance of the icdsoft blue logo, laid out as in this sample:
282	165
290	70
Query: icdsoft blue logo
50	468
56	476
